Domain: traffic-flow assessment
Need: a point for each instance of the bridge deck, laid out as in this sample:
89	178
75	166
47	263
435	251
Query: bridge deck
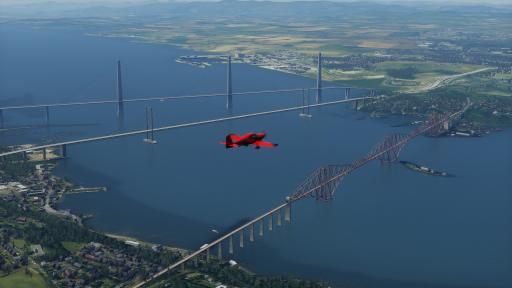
184	125
210	245
163	98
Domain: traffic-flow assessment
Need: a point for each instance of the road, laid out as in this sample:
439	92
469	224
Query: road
445	80
49	209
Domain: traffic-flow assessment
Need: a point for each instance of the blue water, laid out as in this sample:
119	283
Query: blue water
388	226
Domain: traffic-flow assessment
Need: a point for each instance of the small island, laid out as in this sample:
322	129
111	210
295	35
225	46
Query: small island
423	169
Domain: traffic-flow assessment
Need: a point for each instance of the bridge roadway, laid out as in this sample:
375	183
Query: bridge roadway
159	98
198	123
357	164
210	245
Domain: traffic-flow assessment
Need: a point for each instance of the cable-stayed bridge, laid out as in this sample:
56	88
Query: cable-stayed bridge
120	100
344	92
63	145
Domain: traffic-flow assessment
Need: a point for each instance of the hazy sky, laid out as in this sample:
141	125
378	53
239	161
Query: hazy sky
21	3
148	1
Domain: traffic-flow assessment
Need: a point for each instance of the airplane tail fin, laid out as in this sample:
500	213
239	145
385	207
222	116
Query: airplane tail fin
229	141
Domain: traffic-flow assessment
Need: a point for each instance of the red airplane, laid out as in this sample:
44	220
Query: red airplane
256	139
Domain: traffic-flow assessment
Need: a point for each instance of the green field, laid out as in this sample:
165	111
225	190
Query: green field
19	279
72	247
19	243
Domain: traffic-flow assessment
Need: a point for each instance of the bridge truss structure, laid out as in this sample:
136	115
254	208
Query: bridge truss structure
321	184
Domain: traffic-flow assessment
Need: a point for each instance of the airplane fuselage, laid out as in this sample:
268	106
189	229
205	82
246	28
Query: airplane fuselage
256	139
250	138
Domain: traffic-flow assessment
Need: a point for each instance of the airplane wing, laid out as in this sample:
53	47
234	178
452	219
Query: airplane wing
264	144
229	145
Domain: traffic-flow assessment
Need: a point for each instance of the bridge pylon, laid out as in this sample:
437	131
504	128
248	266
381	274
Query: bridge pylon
319	79
229	86
119	90
150	127
305	103
64	151
47	111
219	251
288	213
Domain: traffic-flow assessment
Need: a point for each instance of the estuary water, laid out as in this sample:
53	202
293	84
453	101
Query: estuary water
387	227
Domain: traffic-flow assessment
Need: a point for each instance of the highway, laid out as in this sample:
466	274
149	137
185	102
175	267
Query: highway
184	125
445	80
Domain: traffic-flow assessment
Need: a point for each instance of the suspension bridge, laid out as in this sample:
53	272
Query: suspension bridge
321	185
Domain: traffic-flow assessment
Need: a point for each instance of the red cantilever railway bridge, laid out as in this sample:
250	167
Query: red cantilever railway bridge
321	184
